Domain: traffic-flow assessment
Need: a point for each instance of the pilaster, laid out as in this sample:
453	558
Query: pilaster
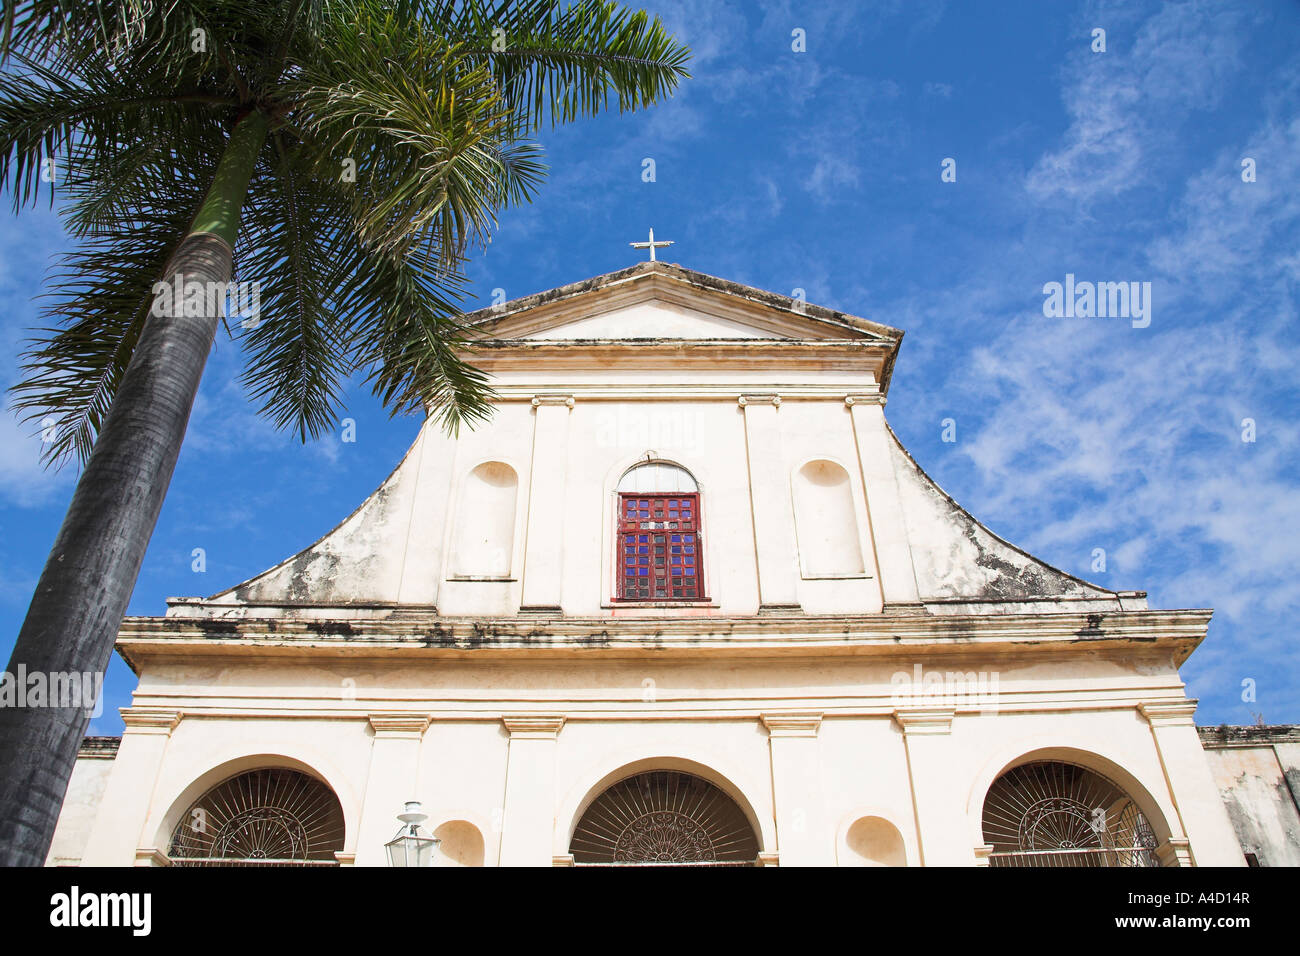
776	551
528	821
1210	837
801	832
391	781
884	507
941	827
543	544
117	833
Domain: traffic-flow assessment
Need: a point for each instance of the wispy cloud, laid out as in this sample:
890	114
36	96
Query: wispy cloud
1086	433
1126	104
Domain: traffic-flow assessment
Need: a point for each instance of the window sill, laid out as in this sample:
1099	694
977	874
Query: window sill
706	602
478	577
836	577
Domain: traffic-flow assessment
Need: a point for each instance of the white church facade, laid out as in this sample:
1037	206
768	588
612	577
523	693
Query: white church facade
683	599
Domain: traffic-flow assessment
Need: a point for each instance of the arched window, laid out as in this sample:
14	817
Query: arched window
268	817
1050	813
485	522
826	521
658	552
664	817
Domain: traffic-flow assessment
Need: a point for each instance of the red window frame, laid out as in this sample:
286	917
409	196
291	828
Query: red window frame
659	555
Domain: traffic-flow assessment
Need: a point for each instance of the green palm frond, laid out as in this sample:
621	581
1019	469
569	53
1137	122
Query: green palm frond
567	60
413	343
46	115
122	30
432	140
298	249
431	103
100	296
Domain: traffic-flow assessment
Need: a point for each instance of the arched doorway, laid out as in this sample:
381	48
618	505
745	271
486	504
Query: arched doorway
1058	814
272	816
664	818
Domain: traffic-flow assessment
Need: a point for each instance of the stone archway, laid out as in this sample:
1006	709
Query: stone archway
271	816
664	818
1052	813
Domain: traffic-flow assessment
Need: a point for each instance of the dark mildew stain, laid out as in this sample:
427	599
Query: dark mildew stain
330	628
1092	631
219	629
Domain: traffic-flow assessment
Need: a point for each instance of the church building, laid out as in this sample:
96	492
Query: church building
683	600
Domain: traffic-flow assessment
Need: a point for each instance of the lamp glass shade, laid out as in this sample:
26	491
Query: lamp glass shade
407	849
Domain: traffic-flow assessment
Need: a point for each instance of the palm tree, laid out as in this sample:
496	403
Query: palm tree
342	154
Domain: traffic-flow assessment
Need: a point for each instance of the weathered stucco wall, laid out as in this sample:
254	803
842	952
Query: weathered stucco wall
1257	770
864	743
81	805
740	389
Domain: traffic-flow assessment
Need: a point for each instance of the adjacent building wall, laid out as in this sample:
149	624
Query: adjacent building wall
1257	770
80	806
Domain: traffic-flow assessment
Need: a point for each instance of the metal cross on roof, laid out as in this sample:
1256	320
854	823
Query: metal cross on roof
651	245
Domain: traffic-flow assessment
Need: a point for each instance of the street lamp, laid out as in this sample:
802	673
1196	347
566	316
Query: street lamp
411	847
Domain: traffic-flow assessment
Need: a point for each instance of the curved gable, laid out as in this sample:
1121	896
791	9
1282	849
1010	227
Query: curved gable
959	560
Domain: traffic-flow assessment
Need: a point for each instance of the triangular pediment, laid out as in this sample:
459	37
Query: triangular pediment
656	319
657	300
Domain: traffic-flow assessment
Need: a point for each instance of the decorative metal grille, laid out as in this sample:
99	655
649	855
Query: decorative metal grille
269	817
1050	813
659	555
664	818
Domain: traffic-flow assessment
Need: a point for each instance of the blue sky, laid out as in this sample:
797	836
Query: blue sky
821	170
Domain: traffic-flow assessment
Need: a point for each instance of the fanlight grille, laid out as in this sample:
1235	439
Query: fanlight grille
664	818
270	817
1050	813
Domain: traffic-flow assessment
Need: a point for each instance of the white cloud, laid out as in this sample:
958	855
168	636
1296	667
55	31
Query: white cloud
1126	104
1075	434
24	482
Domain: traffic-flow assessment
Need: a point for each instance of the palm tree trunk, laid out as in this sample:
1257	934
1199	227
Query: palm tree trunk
88	578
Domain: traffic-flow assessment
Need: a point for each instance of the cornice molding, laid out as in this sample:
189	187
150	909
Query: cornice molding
672	284
750	399
533	726
874	702
792	724
888	635
658	391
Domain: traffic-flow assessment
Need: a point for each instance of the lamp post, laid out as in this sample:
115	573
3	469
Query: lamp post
411	847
